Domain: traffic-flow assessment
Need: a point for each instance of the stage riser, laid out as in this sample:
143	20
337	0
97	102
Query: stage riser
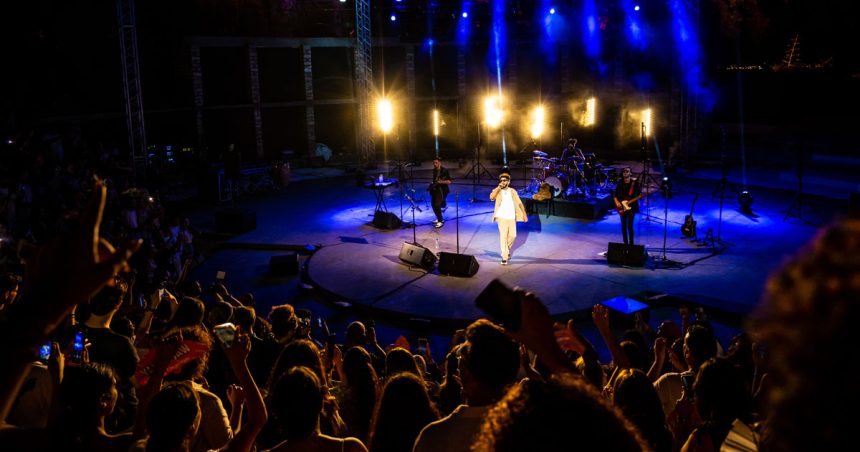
591	209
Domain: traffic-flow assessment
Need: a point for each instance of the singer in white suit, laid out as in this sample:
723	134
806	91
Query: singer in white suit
508	211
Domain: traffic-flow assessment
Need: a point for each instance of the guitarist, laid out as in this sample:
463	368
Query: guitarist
439	191
627	194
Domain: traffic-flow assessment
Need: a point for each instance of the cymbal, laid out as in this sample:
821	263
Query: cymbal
540	153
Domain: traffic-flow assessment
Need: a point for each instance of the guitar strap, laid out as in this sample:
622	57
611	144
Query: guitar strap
631	190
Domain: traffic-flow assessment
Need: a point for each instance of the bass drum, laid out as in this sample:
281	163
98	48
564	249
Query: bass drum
557	184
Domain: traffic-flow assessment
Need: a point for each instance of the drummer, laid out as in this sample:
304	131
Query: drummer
571	151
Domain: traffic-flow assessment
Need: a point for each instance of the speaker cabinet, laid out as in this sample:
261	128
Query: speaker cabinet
418	256
453	264
286	264
621	254
386	220
235	220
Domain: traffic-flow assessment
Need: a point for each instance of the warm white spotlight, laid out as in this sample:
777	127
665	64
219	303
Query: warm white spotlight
646	122
436	123
386	115
537	122
590	111
493	111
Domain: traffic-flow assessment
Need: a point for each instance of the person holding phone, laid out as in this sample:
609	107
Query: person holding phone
107	346
508	211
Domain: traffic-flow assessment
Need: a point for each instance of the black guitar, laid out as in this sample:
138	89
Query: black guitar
689	227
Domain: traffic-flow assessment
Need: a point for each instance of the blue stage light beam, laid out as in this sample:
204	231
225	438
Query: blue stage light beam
464	24
688	48
498	57
553	24
633	25
590	29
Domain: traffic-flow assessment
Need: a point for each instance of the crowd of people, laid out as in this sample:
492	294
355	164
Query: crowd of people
108	346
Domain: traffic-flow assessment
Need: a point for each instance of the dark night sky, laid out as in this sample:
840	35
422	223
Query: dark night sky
60	55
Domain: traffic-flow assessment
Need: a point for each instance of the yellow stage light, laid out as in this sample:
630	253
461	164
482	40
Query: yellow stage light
646	122
435	123
493	111
386	115
537	122
590	111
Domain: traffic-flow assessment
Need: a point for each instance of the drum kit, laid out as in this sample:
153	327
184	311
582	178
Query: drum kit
571	176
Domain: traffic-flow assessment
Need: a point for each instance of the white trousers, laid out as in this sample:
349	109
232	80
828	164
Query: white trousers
507	235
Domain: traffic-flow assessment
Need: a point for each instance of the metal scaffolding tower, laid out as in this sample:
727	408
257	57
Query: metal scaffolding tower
363	80
131	85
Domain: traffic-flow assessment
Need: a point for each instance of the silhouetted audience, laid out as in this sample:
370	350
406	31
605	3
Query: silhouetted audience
793	361
404	408
488	365
296	402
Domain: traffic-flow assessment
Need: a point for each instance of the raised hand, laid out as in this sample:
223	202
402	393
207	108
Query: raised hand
238	352
600	315
236	395
567	338
370	334
535	332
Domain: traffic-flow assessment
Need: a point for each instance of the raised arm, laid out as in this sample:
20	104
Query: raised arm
659	358
536	333
237	353
600	315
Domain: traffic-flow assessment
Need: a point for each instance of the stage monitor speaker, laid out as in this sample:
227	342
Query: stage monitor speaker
453	264
418	256
386	220
286	264
235	220
621	254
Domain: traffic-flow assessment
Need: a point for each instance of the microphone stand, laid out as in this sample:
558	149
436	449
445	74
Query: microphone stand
664	261
457	218
414	240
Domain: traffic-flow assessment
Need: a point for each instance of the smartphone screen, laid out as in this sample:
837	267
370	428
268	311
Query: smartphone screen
687	381
77	355
220	275
226	332
501	304
421	348
45	352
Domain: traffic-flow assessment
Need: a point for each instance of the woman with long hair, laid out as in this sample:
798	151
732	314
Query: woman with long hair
403	410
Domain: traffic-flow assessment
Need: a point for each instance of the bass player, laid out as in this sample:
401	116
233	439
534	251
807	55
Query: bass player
627	194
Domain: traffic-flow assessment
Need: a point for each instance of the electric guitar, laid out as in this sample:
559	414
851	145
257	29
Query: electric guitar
437	183
689	227
625	205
